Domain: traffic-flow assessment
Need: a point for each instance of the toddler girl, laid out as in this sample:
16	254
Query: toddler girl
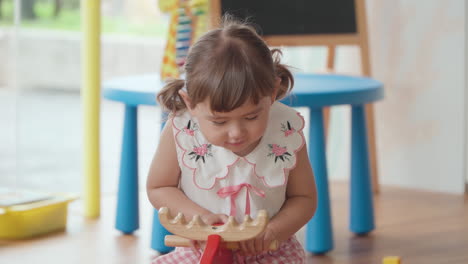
230	148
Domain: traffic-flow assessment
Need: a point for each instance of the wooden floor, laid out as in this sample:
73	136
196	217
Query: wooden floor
420	227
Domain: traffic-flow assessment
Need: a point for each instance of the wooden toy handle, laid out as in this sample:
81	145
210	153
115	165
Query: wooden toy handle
177	241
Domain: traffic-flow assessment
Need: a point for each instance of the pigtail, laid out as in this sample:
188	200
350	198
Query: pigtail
282	71
169	97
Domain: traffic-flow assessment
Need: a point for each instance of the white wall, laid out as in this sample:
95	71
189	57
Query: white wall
418	52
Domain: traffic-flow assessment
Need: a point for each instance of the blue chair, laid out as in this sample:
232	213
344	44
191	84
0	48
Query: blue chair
313	91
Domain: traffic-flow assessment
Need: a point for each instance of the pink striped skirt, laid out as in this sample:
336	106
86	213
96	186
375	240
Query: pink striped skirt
290	252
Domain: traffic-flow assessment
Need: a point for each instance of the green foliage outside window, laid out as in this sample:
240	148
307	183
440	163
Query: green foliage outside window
46	16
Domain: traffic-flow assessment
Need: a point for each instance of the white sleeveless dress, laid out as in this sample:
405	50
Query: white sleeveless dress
226	183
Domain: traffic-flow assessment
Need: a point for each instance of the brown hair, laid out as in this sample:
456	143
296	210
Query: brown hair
228	65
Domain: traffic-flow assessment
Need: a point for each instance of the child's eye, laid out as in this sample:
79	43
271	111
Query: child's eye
219	123
252	118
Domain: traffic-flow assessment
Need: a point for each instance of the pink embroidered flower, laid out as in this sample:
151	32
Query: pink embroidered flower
190	128
287	129
289	132
189	131
202	150
277	150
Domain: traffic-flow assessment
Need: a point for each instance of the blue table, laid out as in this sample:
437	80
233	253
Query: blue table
311	90
318	91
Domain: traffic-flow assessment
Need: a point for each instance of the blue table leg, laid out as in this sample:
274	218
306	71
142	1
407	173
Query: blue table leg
127	217
157	237
159	232
362	212
319	234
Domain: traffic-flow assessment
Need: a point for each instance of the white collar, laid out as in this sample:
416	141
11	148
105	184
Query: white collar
271	160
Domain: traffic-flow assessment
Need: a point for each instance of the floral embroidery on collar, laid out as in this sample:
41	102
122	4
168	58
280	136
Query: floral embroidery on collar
287	129
278	152
190	129
201	151
271	160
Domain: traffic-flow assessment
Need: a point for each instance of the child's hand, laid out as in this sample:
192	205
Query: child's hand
260	244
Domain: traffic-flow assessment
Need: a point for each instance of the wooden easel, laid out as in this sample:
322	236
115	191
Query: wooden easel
359	38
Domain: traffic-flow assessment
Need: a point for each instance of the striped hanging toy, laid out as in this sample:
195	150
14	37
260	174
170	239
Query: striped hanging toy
181	32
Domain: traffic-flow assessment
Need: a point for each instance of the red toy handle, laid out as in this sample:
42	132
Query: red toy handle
211	249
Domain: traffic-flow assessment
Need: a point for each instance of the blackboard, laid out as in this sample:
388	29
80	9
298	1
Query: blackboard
299	22
296	17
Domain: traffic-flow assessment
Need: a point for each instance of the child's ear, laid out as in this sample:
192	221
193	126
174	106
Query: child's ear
186	99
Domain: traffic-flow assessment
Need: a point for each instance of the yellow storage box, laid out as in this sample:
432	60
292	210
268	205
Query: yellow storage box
34	218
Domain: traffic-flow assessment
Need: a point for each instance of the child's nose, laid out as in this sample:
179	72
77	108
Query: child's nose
237	131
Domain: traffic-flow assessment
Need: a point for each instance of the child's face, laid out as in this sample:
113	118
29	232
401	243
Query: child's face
239	130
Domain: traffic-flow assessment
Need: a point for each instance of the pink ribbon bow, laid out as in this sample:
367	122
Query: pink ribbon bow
233	191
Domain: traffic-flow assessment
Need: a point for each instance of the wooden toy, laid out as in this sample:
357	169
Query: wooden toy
226	235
